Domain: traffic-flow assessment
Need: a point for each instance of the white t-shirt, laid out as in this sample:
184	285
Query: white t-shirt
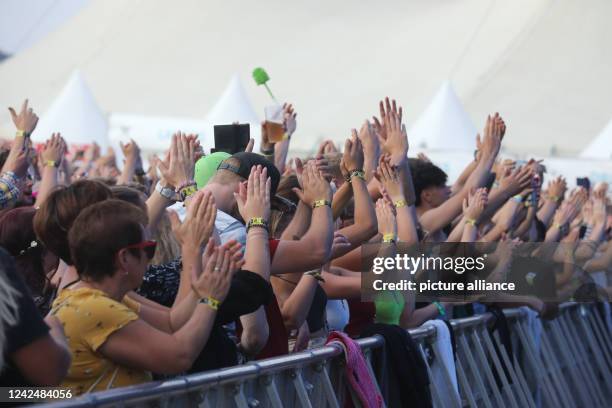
227	226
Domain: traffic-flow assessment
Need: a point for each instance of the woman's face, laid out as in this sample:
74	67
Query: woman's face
137	265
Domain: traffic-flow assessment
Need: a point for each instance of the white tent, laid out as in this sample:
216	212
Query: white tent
75	114
601	146
444	125
234	105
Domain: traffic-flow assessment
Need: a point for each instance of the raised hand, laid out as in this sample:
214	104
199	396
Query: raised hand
326	147
493	134
179	165
53	151
289	121
386	108
18	159
26	120
387	223
352	158
315	187
199	223
131	151
566	213
396	143
513	182
556	189
216	276
599	200
199	151
388	177
92	153
253	199
475	203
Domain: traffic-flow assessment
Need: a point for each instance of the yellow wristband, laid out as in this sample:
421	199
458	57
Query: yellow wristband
51	163
20	133
400	203
388	238
320	203
211	302
470	221
187	191
257	222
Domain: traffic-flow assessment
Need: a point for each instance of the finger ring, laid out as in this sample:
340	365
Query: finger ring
217	269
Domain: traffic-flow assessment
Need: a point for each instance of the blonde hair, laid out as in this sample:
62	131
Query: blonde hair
168	248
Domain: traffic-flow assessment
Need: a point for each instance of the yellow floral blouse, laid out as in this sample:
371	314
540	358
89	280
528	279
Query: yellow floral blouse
89	316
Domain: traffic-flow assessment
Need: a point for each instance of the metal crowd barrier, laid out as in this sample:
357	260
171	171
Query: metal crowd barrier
565	362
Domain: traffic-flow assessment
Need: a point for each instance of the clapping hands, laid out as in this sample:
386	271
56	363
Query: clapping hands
179	165
253	198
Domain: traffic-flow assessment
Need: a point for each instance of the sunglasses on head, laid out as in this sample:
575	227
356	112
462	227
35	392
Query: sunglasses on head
147	246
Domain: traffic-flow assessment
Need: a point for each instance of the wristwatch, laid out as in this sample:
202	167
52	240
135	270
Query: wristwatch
166	192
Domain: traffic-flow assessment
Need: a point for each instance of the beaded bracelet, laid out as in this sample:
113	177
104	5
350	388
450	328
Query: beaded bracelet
356	173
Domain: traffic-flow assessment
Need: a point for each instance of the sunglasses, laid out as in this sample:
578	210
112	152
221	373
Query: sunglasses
147	246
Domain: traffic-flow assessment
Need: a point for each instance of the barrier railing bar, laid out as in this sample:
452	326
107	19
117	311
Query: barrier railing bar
584	351
464	385
298	383
536	363
328	389
605	341
473	368
486	368
566	346
498	367
523	381
581	357
434	391
555	371
598	353
520	389
271	391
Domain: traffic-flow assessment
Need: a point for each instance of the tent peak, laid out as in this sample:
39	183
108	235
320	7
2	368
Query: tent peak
444	125
75	114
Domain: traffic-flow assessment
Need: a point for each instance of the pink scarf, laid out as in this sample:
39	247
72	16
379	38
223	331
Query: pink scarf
357	371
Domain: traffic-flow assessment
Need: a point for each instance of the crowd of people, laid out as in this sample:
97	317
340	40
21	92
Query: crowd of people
113	276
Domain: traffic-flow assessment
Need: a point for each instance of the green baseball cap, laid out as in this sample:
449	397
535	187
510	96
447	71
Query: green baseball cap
207	166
